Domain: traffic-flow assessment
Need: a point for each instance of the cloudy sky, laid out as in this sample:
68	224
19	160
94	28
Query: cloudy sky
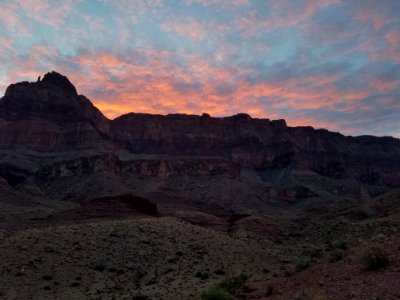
326	63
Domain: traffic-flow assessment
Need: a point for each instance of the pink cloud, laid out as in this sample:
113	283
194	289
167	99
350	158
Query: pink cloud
368	15
378	53
393	38
194	30
158	85
283	15
45	11
218	2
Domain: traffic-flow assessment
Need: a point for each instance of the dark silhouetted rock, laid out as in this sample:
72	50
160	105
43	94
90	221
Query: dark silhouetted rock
49	133
60	81
49	115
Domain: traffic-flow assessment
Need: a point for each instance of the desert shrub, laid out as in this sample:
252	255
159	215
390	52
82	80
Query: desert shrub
374	258
219	272
312	252
337	244
216	292
225	290
268	290
320	296
335	255
366	212
301	296
289	270
234	285
140	296
303	262
202	275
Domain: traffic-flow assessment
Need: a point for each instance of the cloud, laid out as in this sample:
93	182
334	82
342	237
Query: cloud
328	63
218	2
281	14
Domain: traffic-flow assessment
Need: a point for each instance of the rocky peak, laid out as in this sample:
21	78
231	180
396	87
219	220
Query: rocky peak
53	99
49	115
60	81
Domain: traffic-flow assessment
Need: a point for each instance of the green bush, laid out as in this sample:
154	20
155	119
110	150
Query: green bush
301	296
234	285
226	290
311	252
216	292
337	244
202	276
374	258
302	263
335	255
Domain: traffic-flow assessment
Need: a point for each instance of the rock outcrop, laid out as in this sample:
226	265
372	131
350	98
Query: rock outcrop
50	116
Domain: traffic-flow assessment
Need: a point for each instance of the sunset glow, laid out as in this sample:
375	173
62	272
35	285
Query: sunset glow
331	63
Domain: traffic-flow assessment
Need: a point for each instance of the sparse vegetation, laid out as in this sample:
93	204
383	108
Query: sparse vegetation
302	262
337	244
140	296
289	270
311	252
141	262
301	296
374	258
226	290
268	290
202	275
219	272
335	255
216	292
234	284
321	295
336	249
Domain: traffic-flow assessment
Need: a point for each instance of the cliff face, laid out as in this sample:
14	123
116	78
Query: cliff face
49	116
261	143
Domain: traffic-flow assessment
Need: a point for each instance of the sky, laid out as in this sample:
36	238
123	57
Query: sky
331	64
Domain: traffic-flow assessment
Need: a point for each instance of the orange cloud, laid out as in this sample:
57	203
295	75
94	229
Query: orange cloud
161	86
119	84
